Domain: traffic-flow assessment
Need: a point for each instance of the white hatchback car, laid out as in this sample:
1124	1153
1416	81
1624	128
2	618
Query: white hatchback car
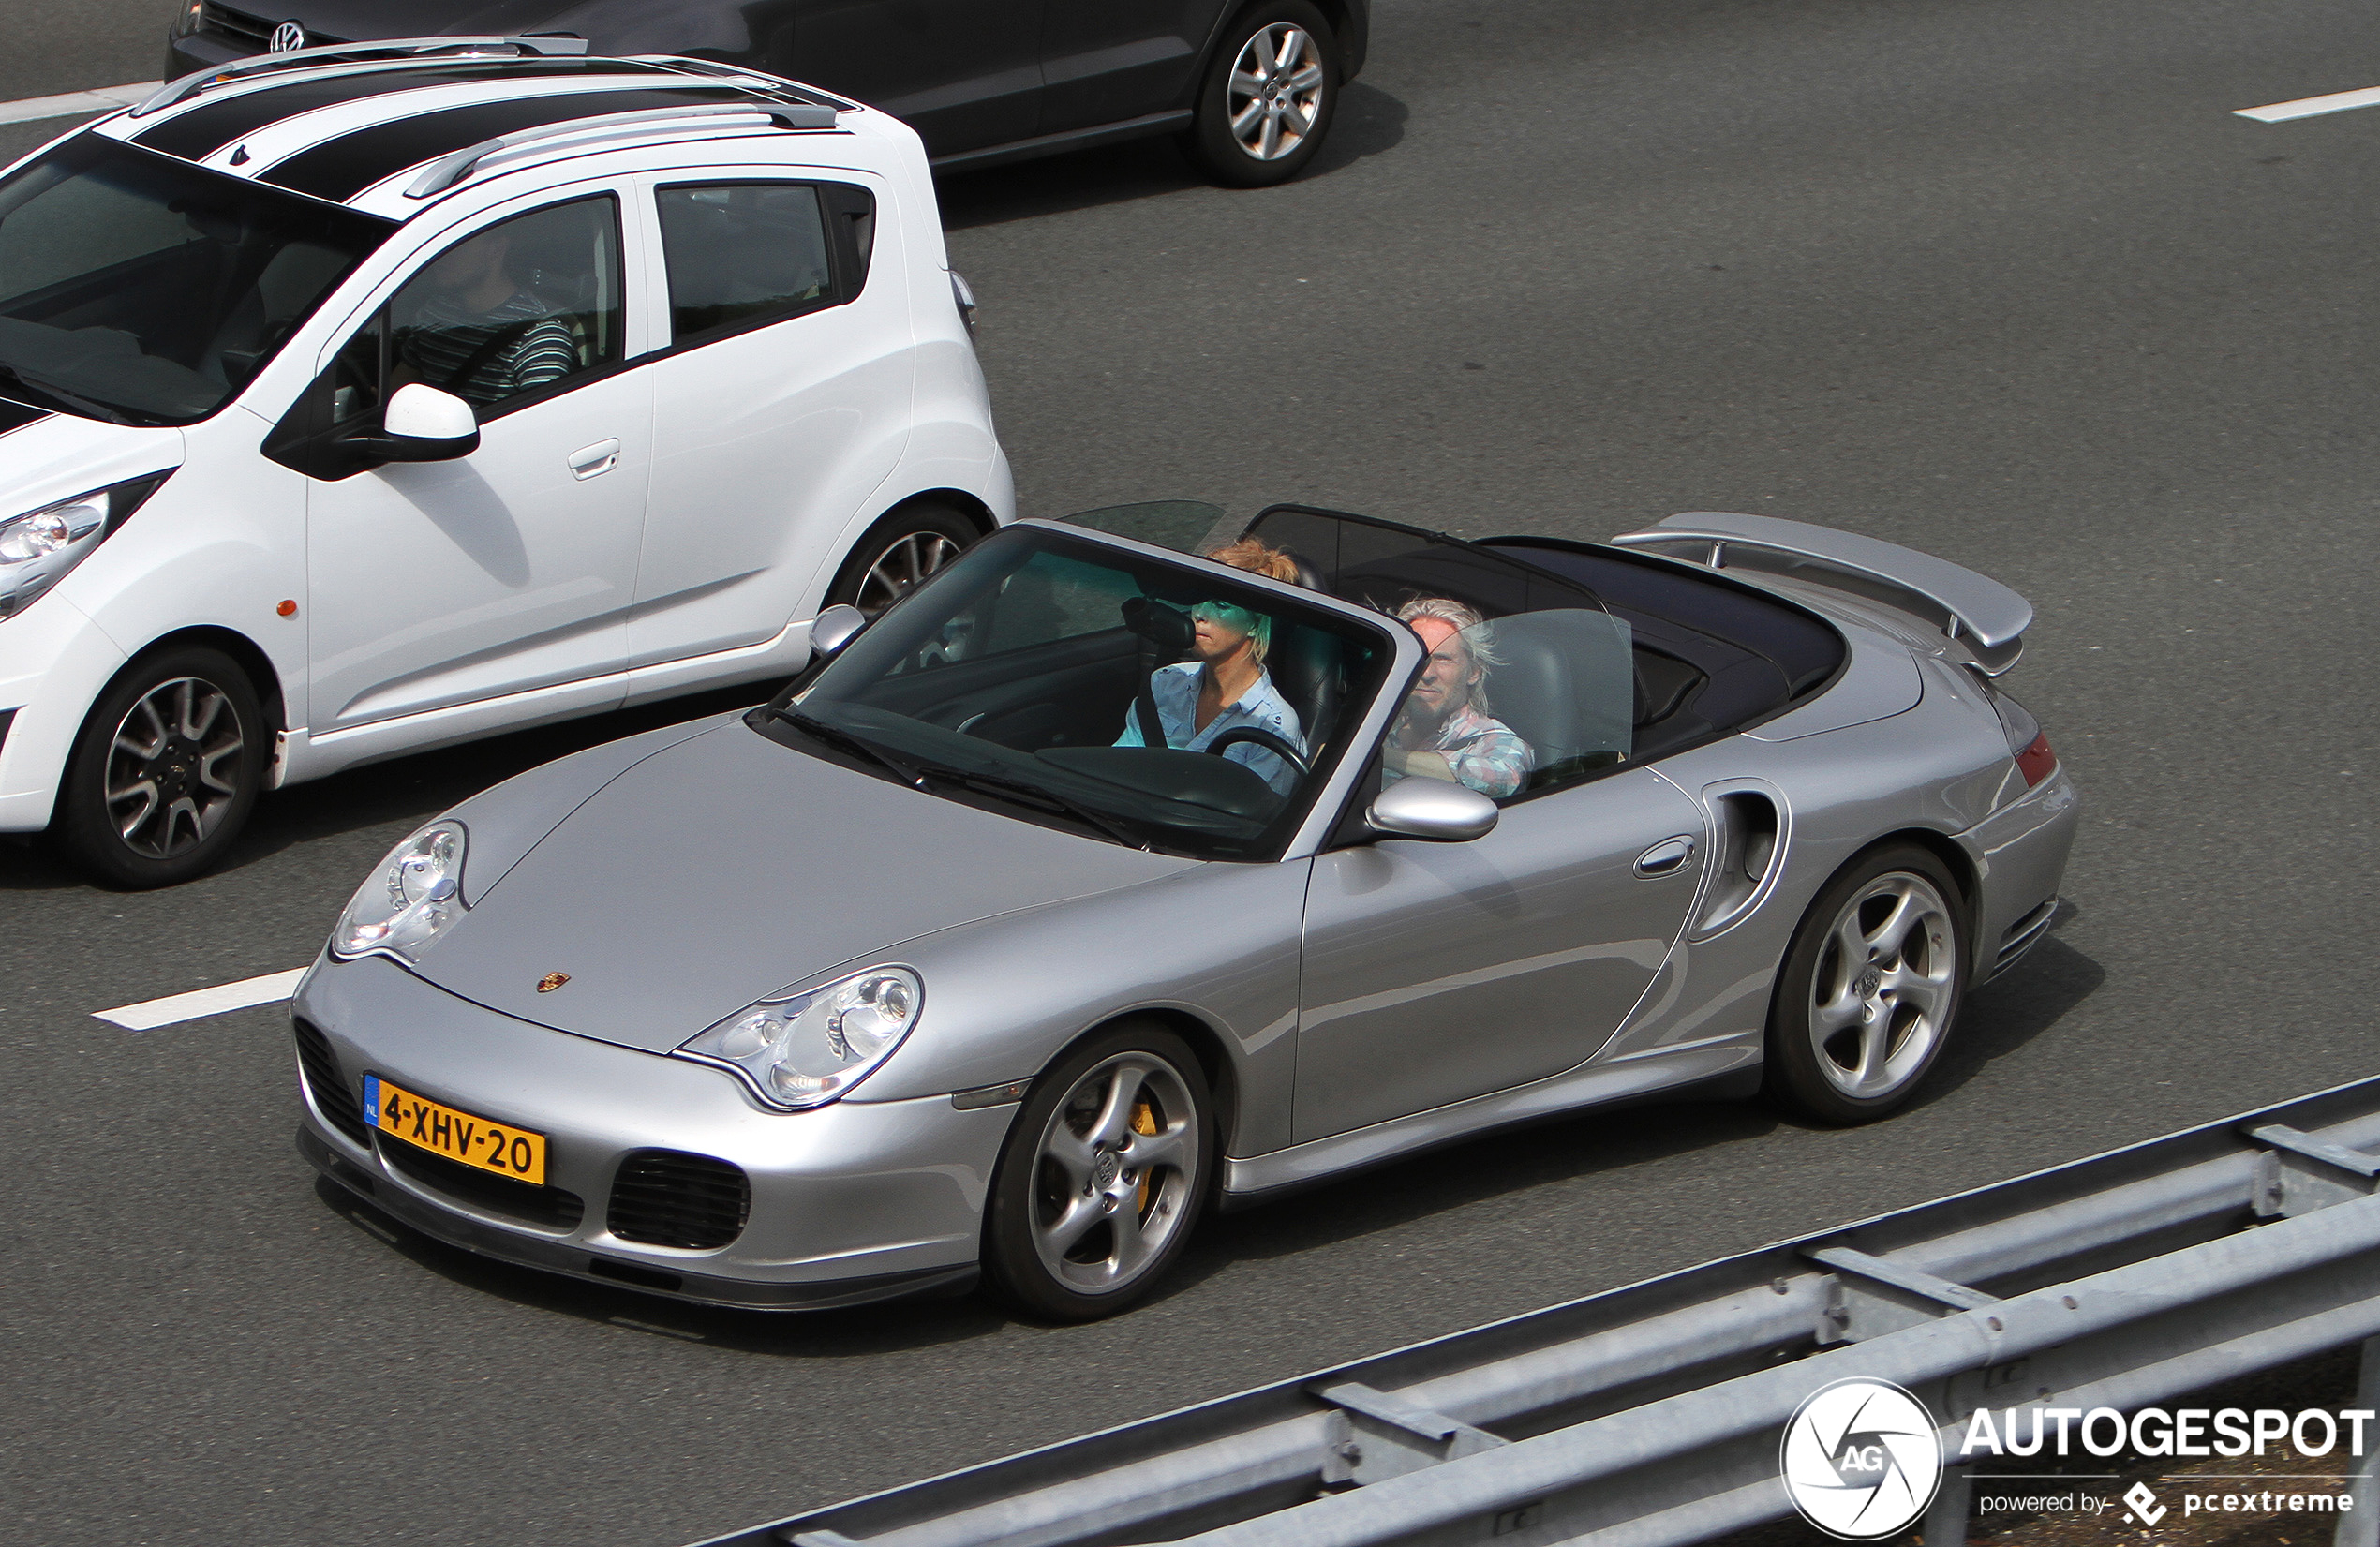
363	400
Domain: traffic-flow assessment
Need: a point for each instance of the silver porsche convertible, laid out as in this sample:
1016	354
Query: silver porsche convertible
1098	882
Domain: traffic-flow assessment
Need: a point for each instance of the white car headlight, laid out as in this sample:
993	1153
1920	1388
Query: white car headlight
39	547
410	898
809	1048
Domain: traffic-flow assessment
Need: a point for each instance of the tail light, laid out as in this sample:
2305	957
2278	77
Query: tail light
2027	741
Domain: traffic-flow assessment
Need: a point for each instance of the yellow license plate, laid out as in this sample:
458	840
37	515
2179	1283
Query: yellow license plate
441	1130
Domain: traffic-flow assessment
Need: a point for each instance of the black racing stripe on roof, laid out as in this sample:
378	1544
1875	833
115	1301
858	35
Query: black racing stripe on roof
16	416
202	130
340	168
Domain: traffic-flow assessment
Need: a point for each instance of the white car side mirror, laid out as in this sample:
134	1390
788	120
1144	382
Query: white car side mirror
1433	808
439	423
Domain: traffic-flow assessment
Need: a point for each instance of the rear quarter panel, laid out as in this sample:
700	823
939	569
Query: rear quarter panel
1939	766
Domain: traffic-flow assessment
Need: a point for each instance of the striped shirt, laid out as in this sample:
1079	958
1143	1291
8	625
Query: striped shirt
444	339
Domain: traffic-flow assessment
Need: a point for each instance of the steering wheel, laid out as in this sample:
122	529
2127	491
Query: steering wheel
1280	747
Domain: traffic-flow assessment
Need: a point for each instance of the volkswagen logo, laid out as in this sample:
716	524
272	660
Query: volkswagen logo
287	39
1861	1460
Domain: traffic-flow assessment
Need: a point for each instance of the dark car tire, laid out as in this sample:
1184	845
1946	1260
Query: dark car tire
1212	144
183	797
904	546
1035	1257
1845	1048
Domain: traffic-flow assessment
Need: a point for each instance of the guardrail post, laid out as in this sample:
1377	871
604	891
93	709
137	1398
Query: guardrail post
1946	1517
2360	1525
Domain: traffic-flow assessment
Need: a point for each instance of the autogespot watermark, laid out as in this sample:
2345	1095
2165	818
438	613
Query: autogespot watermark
1861	1459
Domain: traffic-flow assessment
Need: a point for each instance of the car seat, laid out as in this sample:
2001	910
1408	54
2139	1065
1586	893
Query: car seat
1567	686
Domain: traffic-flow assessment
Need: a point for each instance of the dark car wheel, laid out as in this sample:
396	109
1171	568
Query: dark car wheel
1268	97
1102	1177
1870	989
898	551
164	772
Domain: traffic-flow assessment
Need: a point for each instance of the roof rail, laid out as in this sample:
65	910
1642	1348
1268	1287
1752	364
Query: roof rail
198	80
448	171
760	80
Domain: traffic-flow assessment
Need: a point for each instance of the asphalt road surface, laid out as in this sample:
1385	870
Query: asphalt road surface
2002	279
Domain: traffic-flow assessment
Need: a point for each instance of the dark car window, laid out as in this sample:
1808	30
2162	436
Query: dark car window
137	286
1019	679
525	304
743	255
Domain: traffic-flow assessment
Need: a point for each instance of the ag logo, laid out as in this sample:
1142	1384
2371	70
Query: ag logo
1860	1458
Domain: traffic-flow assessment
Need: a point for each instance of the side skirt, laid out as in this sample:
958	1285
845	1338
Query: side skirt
1720	1071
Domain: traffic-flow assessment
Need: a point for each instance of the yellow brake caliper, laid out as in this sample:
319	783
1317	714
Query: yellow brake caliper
1144	1120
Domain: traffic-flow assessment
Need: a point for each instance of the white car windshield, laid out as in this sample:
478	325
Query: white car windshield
1063	681
137	288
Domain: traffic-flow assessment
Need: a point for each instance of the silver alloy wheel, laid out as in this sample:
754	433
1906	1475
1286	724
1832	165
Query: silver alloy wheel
905	561
1882	989
1273	94
1111	1180
166	787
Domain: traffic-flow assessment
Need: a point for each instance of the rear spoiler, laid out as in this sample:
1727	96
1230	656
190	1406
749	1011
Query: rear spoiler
1982	616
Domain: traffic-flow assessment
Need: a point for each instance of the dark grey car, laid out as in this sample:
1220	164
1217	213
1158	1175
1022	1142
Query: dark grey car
1250	88
934	965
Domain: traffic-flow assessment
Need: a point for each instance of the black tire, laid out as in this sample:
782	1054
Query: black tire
904	546
1850	1040
1212	142
1028	1259
177	808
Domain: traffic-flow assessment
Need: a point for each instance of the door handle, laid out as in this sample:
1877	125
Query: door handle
1667	857
589	461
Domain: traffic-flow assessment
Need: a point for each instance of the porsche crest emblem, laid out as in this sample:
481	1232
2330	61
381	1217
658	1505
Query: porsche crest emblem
552	981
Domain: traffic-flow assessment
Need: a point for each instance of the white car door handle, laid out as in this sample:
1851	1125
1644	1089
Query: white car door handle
600	458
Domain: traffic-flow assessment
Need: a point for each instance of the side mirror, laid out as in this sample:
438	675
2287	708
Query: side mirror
834	627
422	425
1433	808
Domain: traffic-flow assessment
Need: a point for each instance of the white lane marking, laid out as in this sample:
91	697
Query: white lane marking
98	99
149	1015
2309	107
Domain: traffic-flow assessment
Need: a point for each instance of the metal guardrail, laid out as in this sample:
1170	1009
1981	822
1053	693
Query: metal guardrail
1649	1416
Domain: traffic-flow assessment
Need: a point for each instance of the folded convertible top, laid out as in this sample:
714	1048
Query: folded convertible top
1974	610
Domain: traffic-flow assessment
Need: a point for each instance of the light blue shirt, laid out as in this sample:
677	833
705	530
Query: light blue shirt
1176	690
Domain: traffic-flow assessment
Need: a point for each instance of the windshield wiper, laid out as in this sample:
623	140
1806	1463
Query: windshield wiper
836	736
1031	793
97	410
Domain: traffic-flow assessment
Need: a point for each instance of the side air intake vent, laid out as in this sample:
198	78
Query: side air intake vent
1750	836
665	1198
334	1097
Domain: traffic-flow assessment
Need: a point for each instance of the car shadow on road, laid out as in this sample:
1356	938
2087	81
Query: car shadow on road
2003	1016
1370	121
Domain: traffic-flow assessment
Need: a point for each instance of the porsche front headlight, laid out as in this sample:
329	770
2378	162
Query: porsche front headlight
39	547
809	1048
410	898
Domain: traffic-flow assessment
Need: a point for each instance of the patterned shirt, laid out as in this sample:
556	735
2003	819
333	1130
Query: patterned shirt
1483	752
444	338
1176	690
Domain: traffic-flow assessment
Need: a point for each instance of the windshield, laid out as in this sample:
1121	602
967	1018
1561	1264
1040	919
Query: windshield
140	288
1028	676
